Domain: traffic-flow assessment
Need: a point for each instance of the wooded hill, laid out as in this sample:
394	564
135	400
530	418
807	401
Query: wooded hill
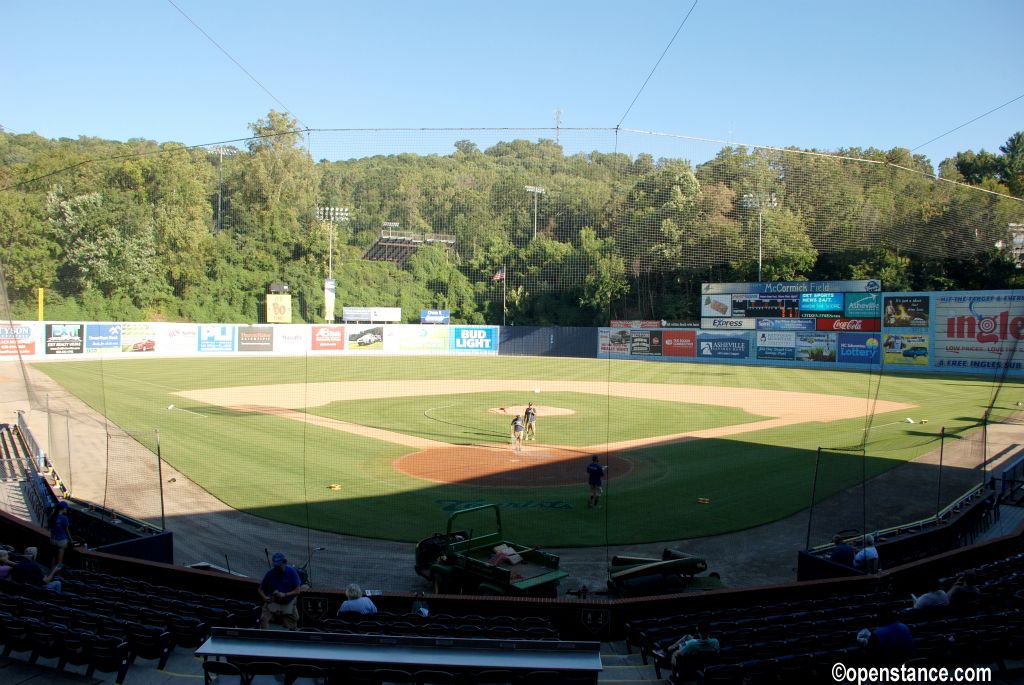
138	230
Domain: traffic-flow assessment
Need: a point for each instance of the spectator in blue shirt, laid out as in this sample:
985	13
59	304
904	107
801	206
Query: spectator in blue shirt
279	589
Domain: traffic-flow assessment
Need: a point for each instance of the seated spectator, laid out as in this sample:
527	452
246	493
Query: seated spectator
842	551
891	642
936	597
357	602
680	651
5	564
965	592
278	590
29	571
866	559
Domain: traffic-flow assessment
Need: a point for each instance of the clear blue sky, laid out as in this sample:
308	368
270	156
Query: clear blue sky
816	74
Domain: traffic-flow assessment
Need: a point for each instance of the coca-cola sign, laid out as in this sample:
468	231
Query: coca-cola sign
849	325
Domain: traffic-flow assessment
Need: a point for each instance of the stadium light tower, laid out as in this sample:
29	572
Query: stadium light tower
536	190
330	215
762	201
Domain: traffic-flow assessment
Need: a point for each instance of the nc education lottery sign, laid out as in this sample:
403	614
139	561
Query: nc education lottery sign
474	339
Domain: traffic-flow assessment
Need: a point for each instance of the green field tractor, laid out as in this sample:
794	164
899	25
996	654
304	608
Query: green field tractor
467	562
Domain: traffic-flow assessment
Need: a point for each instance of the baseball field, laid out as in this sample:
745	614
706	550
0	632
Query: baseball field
387	447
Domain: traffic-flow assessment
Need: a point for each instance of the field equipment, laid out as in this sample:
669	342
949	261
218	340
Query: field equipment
460	562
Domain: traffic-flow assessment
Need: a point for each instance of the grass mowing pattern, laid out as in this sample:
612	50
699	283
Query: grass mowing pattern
466	419
273	467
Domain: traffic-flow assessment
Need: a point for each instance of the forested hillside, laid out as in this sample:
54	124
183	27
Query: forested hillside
138	230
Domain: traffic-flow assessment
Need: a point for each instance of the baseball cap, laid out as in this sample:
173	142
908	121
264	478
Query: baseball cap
62	504
279	559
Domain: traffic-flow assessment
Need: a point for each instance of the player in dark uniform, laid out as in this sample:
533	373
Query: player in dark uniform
531	422
595	472
517	433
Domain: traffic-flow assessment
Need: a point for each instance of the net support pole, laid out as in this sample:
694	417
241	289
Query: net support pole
864	490
49	433
814	489
938	487
160	479
67	426
984	446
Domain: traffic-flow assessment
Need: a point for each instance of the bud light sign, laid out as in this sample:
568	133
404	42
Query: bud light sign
474	339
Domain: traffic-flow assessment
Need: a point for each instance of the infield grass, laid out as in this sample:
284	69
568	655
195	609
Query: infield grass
282	469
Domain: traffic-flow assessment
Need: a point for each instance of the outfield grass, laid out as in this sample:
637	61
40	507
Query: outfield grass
282	469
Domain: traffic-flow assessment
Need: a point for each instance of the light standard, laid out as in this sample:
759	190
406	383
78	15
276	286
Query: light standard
330	215
536	190
761	201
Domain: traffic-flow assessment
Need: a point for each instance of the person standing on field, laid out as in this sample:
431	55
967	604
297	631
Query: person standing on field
517	433
595	472
531	422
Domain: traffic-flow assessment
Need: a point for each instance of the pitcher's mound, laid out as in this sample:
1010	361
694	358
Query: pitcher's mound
501	466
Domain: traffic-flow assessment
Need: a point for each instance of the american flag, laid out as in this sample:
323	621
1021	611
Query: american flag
499	275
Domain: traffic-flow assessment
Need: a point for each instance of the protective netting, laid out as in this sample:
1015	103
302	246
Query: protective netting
133	469
549	230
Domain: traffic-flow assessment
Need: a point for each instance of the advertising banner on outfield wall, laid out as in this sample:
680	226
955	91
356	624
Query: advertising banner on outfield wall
293	339
138	337
613	341
848	325
776	345
821	305
177	338
634	323
412	339
979	331
216	338
816	347
730	324
474	339
19	339
723	345
679	343
716	305
328	338
905	311
255	339
862	305
859	348
645	343
904	349
364	338
64	338
786	325
102	337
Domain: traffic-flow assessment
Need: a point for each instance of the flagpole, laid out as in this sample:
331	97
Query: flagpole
504	280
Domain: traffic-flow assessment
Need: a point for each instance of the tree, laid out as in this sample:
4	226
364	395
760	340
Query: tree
1012	171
